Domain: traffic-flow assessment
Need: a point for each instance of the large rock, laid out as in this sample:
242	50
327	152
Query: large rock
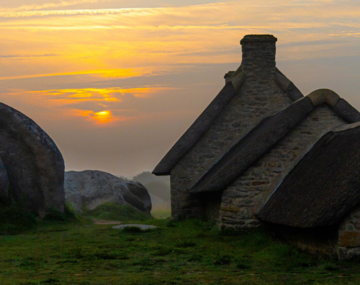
91	188
32	163
4	182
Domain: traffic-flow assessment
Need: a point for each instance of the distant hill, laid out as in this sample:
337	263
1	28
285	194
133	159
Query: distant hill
158	186
158	189
147	177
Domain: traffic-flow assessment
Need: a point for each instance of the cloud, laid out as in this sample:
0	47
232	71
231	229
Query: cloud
130	42
149	72
95	105
100	94
11	56
192	29
101	117
117	73
51	5
270	11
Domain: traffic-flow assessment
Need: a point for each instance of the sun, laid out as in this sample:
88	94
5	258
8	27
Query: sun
103	113
103	116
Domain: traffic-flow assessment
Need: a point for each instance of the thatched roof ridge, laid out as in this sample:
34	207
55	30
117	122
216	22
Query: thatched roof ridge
200	126
287	86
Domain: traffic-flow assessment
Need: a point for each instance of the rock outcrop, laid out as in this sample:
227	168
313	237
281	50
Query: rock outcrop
32	165
4	182
91	188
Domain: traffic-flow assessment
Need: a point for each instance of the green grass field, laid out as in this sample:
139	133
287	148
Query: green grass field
161	213
188	252
112	211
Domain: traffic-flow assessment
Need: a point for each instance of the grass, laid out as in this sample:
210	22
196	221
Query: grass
161	213
115	212
14	219
187	252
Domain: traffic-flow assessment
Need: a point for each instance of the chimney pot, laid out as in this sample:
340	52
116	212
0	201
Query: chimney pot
258	38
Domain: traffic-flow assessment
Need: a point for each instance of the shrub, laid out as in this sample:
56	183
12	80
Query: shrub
70	213
56	216
113	211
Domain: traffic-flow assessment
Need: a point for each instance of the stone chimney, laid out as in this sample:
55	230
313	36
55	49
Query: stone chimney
258	57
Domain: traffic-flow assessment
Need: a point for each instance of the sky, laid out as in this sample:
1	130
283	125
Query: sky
115	83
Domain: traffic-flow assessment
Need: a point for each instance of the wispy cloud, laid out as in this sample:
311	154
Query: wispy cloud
52	5
138	42
17	56
86	73
102	94
101	117
76	102
243	9
79	95
44	13
117	73
133	42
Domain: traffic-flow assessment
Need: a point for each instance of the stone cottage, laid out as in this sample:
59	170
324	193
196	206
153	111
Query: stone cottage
262	153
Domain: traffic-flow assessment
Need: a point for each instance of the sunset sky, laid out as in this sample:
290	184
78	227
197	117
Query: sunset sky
115	82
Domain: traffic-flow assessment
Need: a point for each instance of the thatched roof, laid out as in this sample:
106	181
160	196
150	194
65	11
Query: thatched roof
323	187
204	121
264	136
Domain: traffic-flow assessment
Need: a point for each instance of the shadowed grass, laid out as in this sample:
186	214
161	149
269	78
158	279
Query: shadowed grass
187	252
14	219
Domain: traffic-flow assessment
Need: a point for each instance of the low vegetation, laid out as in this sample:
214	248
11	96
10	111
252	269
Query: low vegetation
113	211
161	213
187	252
14	219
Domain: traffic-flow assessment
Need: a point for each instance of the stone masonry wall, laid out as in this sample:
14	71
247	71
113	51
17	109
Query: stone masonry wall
349	236
245	110
258	98
241	200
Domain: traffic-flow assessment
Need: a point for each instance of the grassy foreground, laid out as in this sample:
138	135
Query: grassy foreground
188	252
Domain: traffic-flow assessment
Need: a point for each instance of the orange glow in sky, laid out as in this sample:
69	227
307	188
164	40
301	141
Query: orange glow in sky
102	117
147	68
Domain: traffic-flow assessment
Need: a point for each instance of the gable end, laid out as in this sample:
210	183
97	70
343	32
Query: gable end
199	127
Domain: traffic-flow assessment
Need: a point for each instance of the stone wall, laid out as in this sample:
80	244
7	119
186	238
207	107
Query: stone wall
241	200
258	98
349	236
